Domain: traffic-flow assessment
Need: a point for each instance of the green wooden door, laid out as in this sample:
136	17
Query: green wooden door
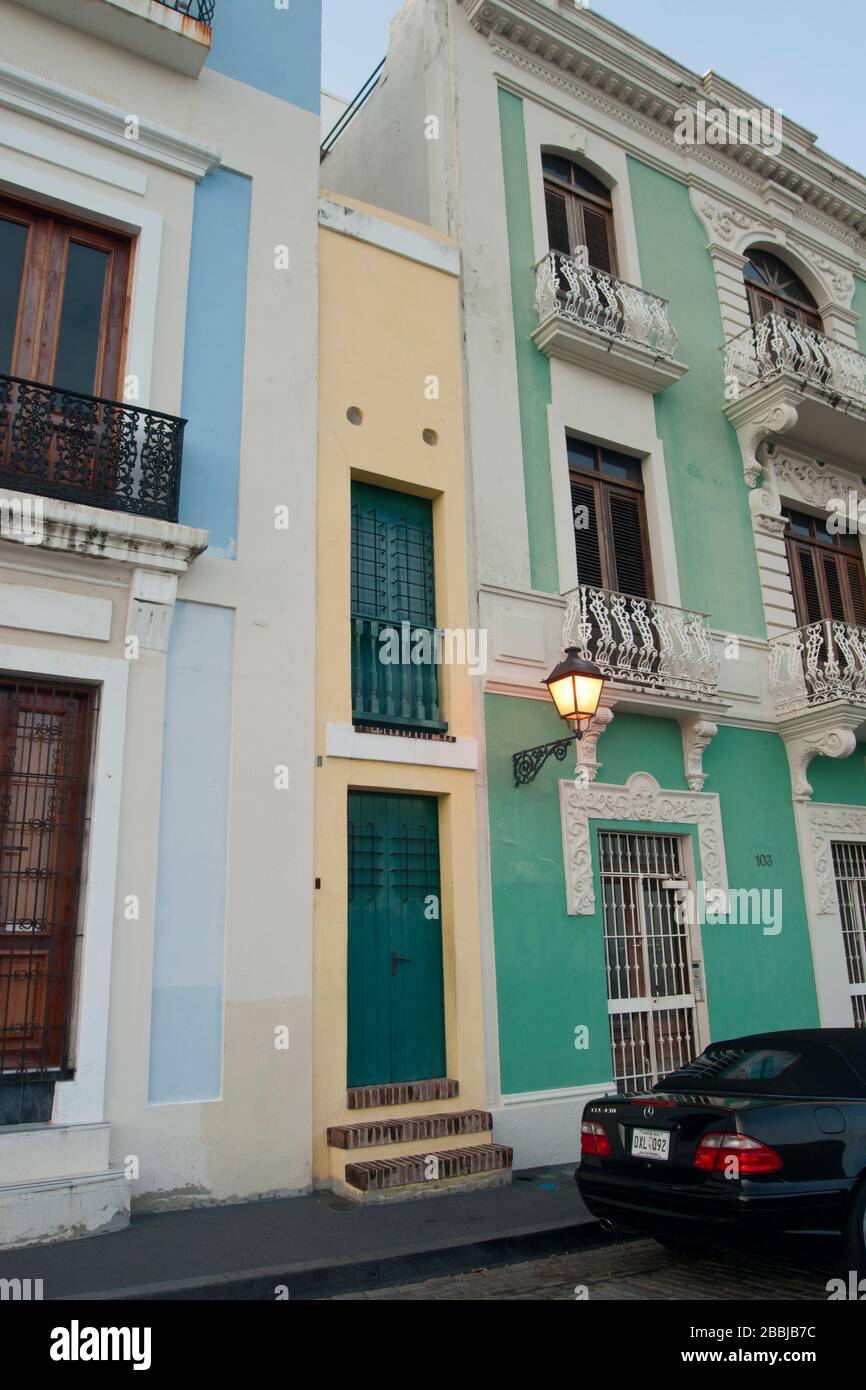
396	1008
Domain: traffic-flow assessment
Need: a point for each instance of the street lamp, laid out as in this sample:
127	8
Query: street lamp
575	687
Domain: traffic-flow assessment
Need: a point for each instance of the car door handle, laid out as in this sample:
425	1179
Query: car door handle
395	961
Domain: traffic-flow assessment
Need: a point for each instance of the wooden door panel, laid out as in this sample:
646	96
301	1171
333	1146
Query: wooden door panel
396	1026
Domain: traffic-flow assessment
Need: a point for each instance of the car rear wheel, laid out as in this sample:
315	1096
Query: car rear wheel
855	1234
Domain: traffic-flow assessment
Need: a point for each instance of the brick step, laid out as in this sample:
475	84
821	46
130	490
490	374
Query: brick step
401	1093
446	1125
384	1173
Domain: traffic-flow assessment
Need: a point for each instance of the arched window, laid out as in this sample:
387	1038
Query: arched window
773	288
579	212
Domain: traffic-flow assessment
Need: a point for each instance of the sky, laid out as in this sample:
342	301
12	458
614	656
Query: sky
805	58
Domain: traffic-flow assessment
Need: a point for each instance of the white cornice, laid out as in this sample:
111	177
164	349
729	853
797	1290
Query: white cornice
71	110
578	49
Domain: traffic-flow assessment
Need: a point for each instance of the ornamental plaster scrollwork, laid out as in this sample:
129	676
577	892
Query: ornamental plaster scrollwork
779	417
641	799
726	224
827	742
765	503
814	485
587	760
698	734
826	824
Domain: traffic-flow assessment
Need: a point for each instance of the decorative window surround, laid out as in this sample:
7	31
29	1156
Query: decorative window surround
643	800
818	825
96	120
82	1100
832	822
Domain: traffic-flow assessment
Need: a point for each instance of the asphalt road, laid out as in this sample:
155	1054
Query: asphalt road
634	1270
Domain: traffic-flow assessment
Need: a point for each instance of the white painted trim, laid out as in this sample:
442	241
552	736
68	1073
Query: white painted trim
82	1100
640	799
54	610
74	195
342	741
95	120
389	236
818	824
67	156
564	1093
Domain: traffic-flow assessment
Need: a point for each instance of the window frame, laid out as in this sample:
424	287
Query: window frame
50	233
576	199
815	545
604	487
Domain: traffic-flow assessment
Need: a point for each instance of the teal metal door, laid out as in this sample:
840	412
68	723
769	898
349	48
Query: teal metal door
396	1022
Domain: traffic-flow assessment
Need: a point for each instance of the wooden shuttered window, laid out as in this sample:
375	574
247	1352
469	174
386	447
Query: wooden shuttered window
64	290
826	573
579	213
610	534
773	288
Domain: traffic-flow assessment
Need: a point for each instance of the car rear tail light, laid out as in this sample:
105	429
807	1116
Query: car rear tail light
716	1151
593	1139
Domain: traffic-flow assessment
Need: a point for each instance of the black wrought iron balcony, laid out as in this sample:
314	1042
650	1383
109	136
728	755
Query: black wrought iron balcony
202	10
395	676
89	450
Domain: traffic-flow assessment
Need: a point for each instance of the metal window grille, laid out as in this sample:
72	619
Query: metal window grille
46	733
414	863
366	869
648	956
849	865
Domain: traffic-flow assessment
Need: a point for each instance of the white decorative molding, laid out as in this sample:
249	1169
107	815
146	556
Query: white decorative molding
826	731
587	761
697	734
641	799
809	482
826	824
152	597
139	540
577	51
84	115
68	156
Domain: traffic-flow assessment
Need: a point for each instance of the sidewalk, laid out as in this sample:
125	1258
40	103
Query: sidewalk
316	1246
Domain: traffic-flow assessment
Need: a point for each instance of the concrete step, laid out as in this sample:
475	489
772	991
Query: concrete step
448	1124
423	1174
88	1204
401	1093
38	1153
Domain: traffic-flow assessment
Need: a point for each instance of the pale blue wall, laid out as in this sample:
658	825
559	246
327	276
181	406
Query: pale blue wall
213	367
274	49
187	1007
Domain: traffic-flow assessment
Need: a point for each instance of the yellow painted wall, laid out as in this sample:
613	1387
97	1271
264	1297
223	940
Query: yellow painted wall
387	324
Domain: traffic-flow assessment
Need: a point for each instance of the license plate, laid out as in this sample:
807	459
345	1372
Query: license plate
651	1143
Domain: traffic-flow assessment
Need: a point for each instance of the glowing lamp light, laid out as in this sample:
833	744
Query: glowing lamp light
575	687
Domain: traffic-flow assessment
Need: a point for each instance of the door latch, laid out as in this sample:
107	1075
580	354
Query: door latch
395	961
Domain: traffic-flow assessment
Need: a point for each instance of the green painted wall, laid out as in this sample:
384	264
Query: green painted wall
858	304
550	967
533	368
842	780
715	545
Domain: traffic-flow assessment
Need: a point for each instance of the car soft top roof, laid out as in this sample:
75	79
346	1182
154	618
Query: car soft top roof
833	1061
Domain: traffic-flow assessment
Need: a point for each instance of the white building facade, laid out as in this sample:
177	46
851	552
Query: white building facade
158	216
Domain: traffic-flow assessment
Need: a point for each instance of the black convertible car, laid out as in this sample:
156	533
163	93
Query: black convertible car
761	1138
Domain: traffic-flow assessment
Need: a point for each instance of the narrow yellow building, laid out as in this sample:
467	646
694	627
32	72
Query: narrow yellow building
399	1079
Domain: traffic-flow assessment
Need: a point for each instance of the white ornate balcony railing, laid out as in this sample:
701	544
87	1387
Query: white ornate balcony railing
817	663
640	641
567	287
776	344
